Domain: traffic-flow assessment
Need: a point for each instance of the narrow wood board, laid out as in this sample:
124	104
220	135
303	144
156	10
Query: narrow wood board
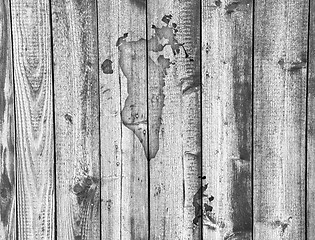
7	129
174	117
281	29
129	70
227	118
77	119
311	128
34	119
110	118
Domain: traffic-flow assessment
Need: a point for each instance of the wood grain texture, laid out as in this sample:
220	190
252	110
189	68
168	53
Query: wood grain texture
110	119
226	118
175	168
311	128
7	141
279	119
76	86
34	119
134	142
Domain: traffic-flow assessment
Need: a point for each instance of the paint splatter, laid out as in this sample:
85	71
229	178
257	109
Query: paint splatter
133	62
107	67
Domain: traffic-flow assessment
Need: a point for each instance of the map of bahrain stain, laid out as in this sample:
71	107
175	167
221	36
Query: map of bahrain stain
133	60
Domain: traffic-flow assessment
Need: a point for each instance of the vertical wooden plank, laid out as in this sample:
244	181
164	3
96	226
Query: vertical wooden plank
133	79
174	117
110	118
7	141
34	118
227	118
311	128
279	119
75	57
124	119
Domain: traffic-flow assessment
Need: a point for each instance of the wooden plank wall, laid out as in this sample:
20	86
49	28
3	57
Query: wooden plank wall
155	119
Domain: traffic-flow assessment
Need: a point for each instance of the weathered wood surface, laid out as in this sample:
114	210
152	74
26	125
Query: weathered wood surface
174	117
143	97
279	119
311	128
226	118
7	129
124	110
110	119
133	77
34	119
75	55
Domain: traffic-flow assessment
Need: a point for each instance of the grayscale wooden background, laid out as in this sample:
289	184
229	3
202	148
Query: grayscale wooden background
157	119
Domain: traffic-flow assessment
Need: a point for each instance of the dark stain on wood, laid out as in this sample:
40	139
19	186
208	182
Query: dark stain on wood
88	197
107	67
68	118
202	208
5	197
139	3
241	199
242	102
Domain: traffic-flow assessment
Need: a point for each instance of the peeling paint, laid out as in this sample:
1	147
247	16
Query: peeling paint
202	211
132	61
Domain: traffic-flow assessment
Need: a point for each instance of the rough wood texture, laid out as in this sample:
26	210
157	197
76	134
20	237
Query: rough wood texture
110	119
279	119
34	118
226	118
174	99
125	189
7	139
75	57
311	128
